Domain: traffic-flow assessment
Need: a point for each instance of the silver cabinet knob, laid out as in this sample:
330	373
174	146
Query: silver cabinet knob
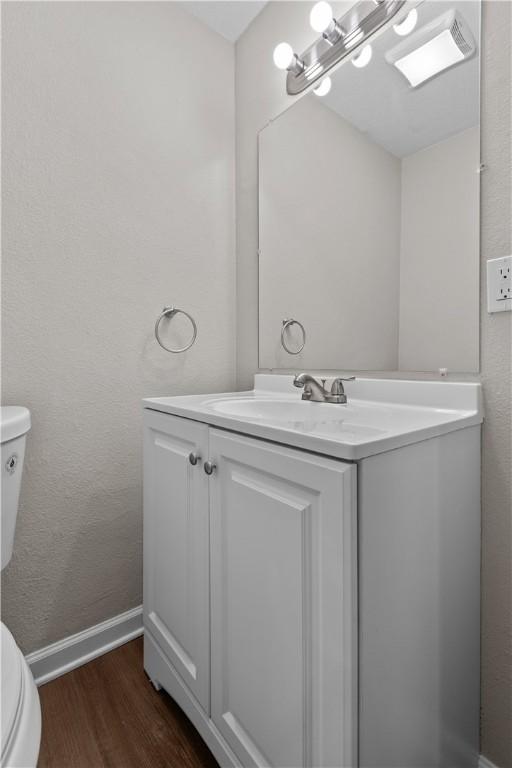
209	467
194	458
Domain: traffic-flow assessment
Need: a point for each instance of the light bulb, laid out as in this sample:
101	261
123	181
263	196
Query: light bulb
408	24
363	58
324	87
283	55
321	16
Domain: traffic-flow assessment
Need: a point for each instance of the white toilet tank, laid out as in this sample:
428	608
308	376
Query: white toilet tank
14	425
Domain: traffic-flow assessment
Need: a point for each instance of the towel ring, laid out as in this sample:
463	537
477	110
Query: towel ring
287	324
170	312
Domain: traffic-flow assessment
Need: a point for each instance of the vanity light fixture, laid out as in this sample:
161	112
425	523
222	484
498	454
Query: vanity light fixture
339	39
444	42
406	26
322	20
285	58
324	87
363	58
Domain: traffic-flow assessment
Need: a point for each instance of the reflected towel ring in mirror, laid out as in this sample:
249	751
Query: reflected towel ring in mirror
287	324
170	312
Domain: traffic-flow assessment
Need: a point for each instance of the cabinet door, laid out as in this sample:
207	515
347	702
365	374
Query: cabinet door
283	581
176	546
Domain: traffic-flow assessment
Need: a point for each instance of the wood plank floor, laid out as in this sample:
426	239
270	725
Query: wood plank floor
107	714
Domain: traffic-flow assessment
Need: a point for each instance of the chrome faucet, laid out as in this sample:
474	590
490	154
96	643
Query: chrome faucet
317	393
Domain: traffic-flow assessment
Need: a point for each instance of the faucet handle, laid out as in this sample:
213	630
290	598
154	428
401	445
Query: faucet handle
337	385
323	382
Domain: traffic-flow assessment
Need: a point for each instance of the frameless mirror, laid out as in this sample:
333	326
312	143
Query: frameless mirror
369	209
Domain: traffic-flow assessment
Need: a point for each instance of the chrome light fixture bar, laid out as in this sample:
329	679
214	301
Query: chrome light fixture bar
355	27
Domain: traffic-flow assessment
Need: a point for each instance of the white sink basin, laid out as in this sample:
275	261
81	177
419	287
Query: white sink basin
281	410
301	415
381	414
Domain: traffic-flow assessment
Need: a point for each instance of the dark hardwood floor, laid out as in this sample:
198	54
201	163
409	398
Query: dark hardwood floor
107	713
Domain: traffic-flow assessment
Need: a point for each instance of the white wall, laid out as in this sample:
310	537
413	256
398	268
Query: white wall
439	255
118	181
329	214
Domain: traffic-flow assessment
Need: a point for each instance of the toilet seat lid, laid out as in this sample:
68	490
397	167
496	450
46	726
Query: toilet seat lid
12	683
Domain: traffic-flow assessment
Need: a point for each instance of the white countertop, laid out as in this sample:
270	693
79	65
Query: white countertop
381	414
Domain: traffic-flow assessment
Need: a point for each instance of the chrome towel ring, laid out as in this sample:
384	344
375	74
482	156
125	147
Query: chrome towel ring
170	312
287	324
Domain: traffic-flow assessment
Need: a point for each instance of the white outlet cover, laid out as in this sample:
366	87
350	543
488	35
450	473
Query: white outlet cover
499	284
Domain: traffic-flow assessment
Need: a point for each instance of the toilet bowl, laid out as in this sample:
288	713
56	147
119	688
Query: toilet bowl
21	711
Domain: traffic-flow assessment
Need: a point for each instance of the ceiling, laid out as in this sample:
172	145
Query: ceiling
227	17
378	100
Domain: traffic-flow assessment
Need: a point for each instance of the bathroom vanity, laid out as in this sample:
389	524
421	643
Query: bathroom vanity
311	571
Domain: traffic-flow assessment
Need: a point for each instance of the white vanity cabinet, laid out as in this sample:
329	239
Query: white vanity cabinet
265	546
313	602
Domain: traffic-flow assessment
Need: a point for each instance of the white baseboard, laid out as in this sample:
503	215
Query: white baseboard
65	655
485	763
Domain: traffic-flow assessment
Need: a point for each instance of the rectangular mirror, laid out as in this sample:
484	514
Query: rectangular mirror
369	211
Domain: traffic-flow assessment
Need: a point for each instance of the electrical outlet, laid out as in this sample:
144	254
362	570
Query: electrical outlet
499	284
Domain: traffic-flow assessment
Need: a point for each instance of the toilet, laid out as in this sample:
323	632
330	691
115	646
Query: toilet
21	711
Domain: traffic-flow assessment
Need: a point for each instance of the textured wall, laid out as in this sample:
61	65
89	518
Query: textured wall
496	354
118	198
260	96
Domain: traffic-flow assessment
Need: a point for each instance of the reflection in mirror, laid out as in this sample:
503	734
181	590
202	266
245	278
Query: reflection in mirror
369	208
